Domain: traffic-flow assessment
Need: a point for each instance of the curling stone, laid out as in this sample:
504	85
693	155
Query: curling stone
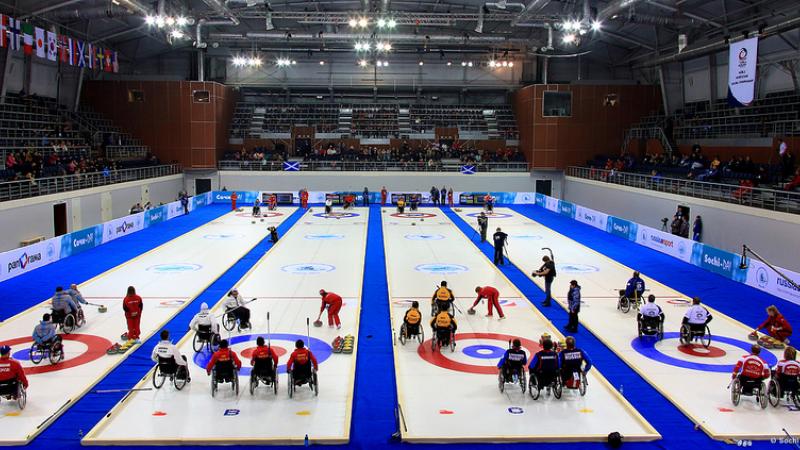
317	323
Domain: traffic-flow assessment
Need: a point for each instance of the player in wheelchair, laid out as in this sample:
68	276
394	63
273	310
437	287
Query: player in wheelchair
444	331
512	366
412	325
257	208
236	313
171	364
544	372
224	368
631	296
302	369
695	325
13	383
46	342
442	299
206	330
749	376
785	381
65	311
265	364
650	319
575	364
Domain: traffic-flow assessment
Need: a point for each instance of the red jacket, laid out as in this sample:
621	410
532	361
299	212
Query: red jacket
264	352
222	355
12	370
488	292
778	322
132	305
304	195
752	366
301	356
330	299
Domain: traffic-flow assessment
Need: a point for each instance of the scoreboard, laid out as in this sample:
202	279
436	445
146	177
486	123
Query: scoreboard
338	198
471	198
406	196
284	198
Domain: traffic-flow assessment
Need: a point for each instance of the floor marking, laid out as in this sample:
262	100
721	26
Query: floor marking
446	412
586	410
159	413
303	413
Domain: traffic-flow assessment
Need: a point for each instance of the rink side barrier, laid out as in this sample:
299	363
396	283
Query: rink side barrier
757	274
22	260
245	199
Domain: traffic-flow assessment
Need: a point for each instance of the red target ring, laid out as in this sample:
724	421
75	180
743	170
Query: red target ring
440	359
96	347
248	352
702	352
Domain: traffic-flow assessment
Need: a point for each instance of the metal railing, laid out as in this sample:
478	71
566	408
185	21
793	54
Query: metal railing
379	166
11	190
775	200
126	151
648	133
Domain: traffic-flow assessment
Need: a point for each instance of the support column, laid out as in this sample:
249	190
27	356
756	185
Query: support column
712	79
661	82
78	89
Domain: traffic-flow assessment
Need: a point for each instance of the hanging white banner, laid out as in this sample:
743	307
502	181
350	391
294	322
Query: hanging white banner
742	71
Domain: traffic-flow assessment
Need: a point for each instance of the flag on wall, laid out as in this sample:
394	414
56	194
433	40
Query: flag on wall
52	48
78	53
4	30
291	166
65	49
114	62
468	170
27	38
107	66
742	71
89	55
100	58
16	33
39	43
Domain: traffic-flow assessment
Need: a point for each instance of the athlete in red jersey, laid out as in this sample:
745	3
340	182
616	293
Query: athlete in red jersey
384	193
301	361
234	197
263	352
304	199
132	305
11	369
224	354
334	303
751	368
492	297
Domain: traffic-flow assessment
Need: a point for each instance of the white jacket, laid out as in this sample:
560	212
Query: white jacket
166	349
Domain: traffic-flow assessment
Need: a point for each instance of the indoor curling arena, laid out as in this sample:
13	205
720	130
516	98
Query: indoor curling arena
386	224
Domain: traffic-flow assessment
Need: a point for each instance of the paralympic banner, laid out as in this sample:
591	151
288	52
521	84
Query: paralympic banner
24	259
742	71
756	274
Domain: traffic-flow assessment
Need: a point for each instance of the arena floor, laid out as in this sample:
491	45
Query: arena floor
443	398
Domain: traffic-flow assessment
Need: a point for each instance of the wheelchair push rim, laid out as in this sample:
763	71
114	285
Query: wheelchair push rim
736	394
763	395
158	378
533	387
36	354
22	396
181	378
56	353
774	393
582	387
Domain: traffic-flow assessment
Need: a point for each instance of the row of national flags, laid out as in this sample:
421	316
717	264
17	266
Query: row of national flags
23	36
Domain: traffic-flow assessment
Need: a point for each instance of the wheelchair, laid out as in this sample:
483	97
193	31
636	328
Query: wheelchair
264	373
409	331
168	369
205	338
224	372
554	385
439	305
574	381
690	333
443	338
54	351
787	388
13	390
651	326
749	388
231	321
67	323
306	375
518	377
625	304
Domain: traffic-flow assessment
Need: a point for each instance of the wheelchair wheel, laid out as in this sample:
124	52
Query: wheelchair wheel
523	382
235	383
315	384
774	393
624	304
69	324
275	384
706	338
213	384
402	334
80	319
290	384
660	335
795	398
533	387
558	388
421	335
229	322
452	343
763	400
22	396
686	335
56	353
433	342
253	384
639	328
582	387
736	392
501	381
36	354
158	378
181	378
197	343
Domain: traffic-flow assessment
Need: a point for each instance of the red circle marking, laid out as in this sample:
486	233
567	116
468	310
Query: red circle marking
248	352
263	215
413	215
439	358
95	349
702	352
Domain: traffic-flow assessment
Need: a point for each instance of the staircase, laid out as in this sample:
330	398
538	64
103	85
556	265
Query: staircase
491	123
345	121
257	121
404	121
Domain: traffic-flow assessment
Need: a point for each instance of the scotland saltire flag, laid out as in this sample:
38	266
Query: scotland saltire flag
468	170
291	166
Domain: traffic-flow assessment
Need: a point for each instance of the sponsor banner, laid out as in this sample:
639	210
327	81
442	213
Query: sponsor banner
156	215
175	209
622	228
664	242
123	226
591	217
79	241
246	198
551	204
525	198
22	260
541	200
719	261
742	71
243	197
761	277
566	209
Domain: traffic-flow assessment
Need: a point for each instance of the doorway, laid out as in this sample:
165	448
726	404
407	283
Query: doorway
544	187
59	219
202	185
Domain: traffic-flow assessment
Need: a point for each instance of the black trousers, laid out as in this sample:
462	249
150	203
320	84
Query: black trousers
498	256
572	324
483	234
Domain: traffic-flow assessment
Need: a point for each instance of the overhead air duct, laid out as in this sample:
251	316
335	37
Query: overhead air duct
350	37
101	12
532	7
223	11
614	8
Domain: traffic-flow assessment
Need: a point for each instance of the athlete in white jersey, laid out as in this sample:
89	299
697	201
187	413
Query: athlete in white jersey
650	309
204	319
166	350
697	315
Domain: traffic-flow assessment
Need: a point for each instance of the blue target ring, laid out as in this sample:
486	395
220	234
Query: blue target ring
492	216
321	350
484	351
646	347
22	355
336	215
